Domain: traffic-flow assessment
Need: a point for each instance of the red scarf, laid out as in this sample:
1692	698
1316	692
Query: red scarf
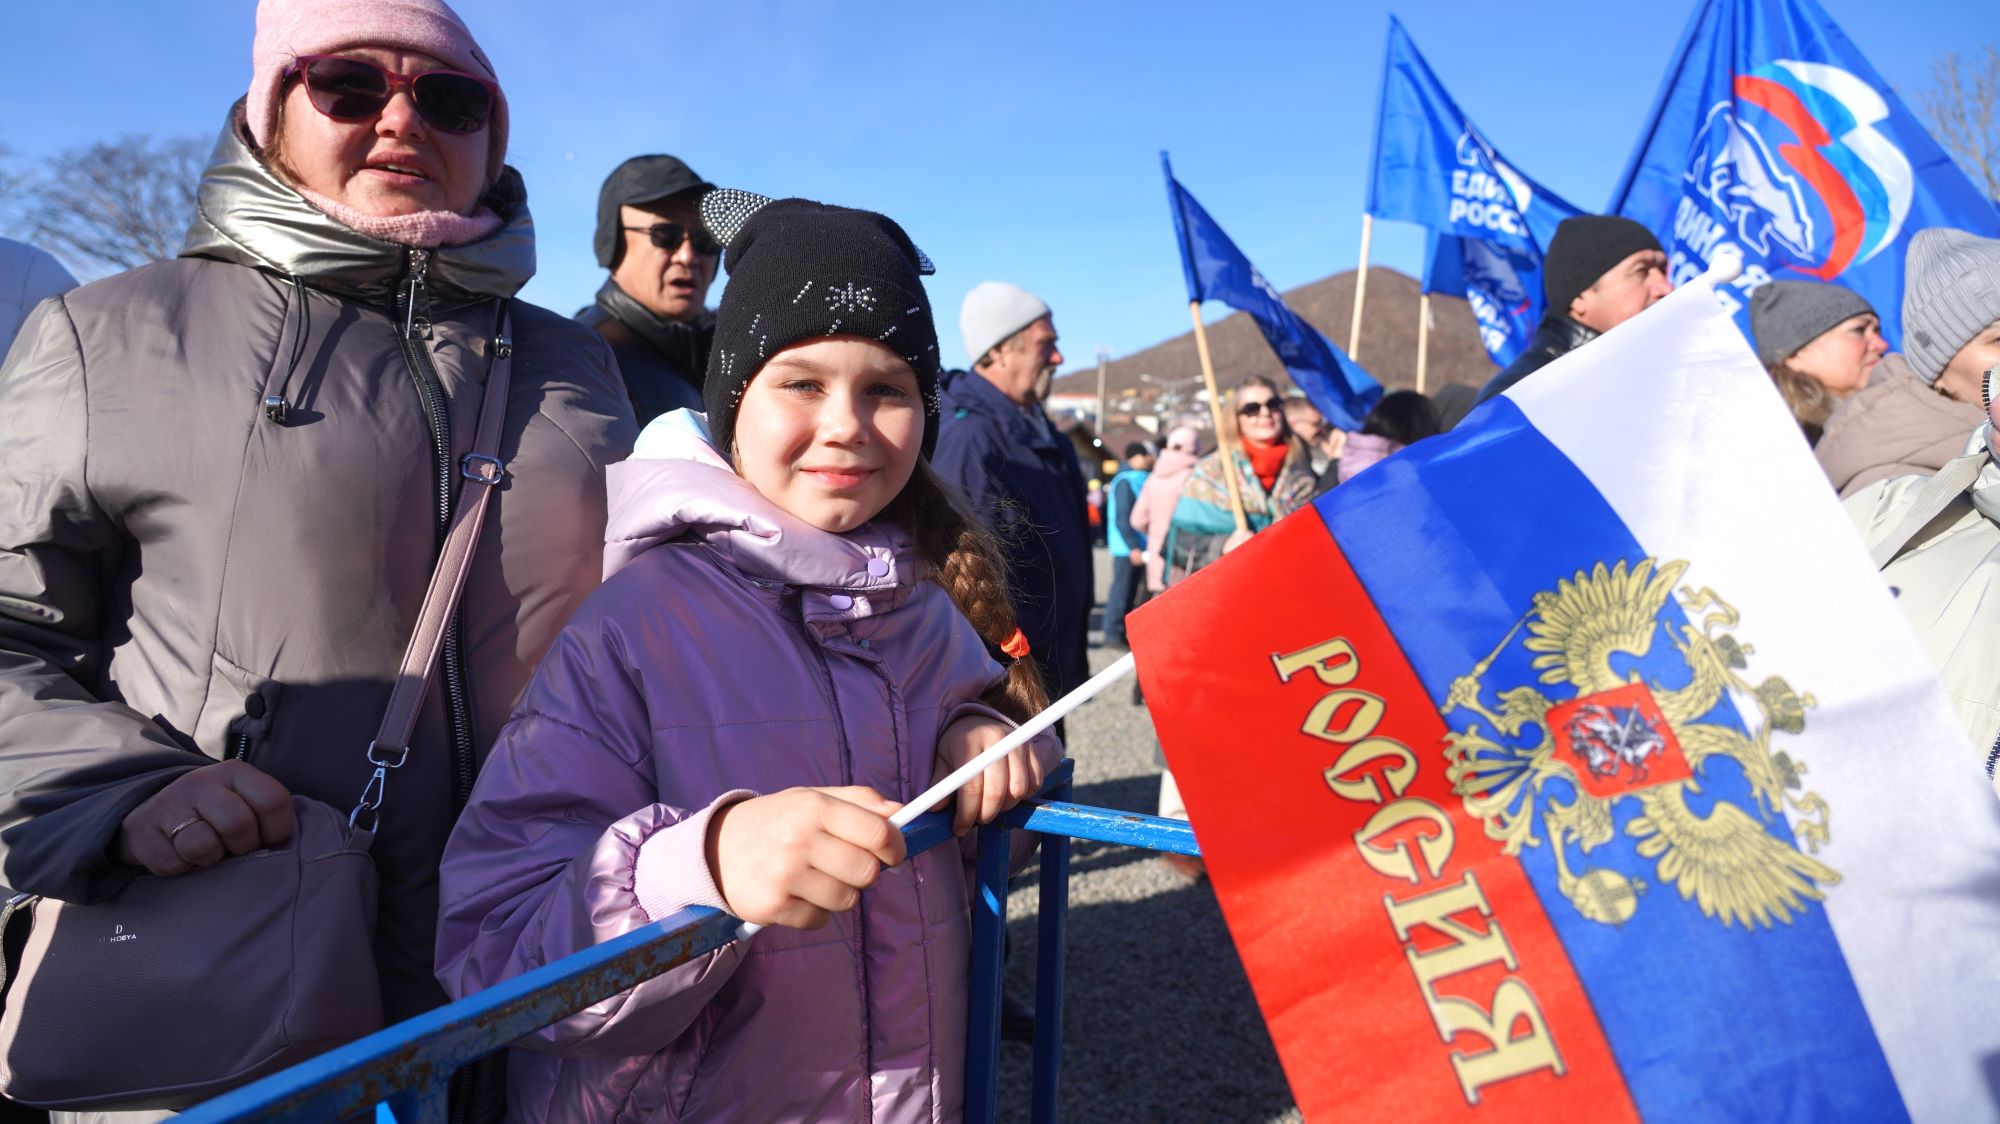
1266	461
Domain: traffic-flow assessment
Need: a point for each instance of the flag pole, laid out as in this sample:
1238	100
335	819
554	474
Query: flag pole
1222	446
1360	287
1423	337
958	778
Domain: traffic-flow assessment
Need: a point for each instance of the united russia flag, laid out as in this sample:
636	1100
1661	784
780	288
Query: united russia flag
1579	762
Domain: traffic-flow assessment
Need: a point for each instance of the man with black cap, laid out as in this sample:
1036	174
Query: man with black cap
1600	271
652	308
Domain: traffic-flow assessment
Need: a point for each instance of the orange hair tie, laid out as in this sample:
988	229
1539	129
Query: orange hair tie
1016	646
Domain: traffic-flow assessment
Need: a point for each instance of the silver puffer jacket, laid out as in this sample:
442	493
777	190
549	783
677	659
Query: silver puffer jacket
183	577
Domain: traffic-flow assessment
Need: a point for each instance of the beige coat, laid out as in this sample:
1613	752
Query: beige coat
1896	426
1947	581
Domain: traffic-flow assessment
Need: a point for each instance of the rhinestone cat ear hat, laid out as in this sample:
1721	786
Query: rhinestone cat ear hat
799	270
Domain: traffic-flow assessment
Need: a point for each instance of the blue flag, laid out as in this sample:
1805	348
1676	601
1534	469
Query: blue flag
1218	271
1489	221
1502	284
1772	133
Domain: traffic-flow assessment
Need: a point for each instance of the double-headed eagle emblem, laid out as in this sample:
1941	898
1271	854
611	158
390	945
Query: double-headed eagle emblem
1567	765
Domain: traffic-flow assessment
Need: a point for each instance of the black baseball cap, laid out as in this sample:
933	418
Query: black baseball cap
642	179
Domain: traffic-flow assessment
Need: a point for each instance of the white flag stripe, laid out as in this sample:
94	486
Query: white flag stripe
1681	430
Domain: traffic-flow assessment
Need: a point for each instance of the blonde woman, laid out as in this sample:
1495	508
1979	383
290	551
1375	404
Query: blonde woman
1820	343
1273	472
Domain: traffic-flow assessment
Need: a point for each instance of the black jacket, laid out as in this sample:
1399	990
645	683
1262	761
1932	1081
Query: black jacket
1023	478
1556	336
661	360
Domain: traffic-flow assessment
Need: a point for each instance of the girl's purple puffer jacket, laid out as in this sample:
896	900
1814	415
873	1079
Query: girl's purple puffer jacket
732	650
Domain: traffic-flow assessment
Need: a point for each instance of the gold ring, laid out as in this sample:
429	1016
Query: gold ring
182	826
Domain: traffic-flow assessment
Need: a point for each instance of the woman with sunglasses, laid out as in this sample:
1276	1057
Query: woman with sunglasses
1273	468
1274	474
225	477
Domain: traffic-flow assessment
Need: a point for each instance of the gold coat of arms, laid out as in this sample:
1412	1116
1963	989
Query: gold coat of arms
1535	768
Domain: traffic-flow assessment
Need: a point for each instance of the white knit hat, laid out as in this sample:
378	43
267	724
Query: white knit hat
993	311
1951	292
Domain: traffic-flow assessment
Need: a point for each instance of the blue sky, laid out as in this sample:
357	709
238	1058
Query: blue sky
1014	141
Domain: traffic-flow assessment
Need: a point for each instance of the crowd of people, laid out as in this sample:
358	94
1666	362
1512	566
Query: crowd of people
747	577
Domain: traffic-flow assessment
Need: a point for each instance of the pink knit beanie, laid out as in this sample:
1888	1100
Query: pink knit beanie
287	29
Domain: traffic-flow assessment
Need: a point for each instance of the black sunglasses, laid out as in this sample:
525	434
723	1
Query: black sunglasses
349	89
1253	408
668	236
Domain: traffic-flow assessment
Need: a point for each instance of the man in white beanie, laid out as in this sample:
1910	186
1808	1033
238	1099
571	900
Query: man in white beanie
1020	472
1022	477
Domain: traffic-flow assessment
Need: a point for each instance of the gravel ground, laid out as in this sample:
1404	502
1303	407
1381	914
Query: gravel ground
1158	1020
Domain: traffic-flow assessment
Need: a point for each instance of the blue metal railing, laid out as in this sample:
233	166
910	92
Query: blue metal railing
408	1066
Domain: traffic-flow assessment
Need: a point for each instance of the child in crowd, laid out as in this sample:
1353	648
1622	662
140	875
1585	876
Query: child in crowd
798	628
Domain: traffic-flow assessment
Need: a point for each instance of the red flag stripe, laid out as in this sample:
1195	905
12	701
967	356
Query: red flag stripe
1403	964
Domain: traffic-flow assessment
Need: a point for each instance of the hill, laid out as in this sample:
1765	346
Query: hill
1388	342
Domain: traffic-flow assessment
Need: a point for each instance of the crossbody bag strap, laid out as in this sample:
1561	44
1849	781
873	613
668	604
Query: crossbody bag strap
483	471
1936	494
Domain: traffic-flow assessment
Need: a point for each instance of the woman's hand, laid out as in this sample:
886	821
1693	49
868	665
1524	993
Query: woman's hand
795	858
1236	538
203	817
1004	784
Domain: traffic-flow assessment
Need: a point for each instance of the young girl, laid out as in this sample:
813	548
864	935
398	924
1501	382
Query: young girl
767	670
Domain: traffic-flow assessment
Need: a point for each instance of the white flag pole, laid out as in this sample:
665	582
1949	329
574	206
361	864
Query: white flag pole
1423	338
1360	288
1225	450
1027	731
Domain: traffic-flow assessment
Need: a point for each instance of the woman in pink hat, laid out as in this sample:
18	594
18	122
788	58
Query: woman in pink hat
226	478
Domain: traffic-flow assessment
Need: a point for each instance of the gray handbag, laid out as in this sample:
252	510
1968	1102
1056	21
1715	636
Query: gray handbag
178	989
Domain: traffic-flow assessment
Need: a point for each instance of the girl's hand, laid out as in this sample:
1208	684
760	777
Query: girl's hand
795	858
1004	784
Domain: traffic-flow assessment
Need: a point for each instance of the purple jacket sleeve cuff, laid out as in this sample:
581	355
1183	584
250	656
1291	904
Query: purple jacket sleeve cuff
671	872
972	709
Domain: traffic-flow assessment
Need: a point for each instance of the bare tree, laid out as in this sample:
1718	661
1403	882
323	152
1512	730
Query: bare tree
10	182
114	204
1964	111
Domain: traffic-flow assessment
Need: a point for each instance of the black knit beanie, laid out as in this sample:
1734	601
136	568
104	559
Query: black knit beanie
1585	248
800	270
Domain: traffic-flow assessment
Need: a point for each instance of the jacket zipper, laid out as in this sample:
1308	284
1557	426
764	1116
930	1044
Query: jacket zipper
413	311
860	907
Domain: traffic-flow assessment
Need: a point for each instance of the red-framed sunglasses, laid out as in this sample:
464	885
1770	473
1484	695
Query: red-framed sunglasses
351	89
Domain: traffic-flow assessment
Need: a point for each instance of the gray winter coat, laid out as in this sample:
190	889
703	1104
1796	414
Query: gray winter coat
184	578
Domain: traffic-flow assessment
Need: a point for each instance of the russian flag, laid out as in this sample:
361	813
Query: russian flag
1579	762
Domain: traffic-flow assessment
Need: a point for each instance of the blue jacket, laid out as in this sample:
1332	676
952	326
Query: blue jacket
1022	477
1119	534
